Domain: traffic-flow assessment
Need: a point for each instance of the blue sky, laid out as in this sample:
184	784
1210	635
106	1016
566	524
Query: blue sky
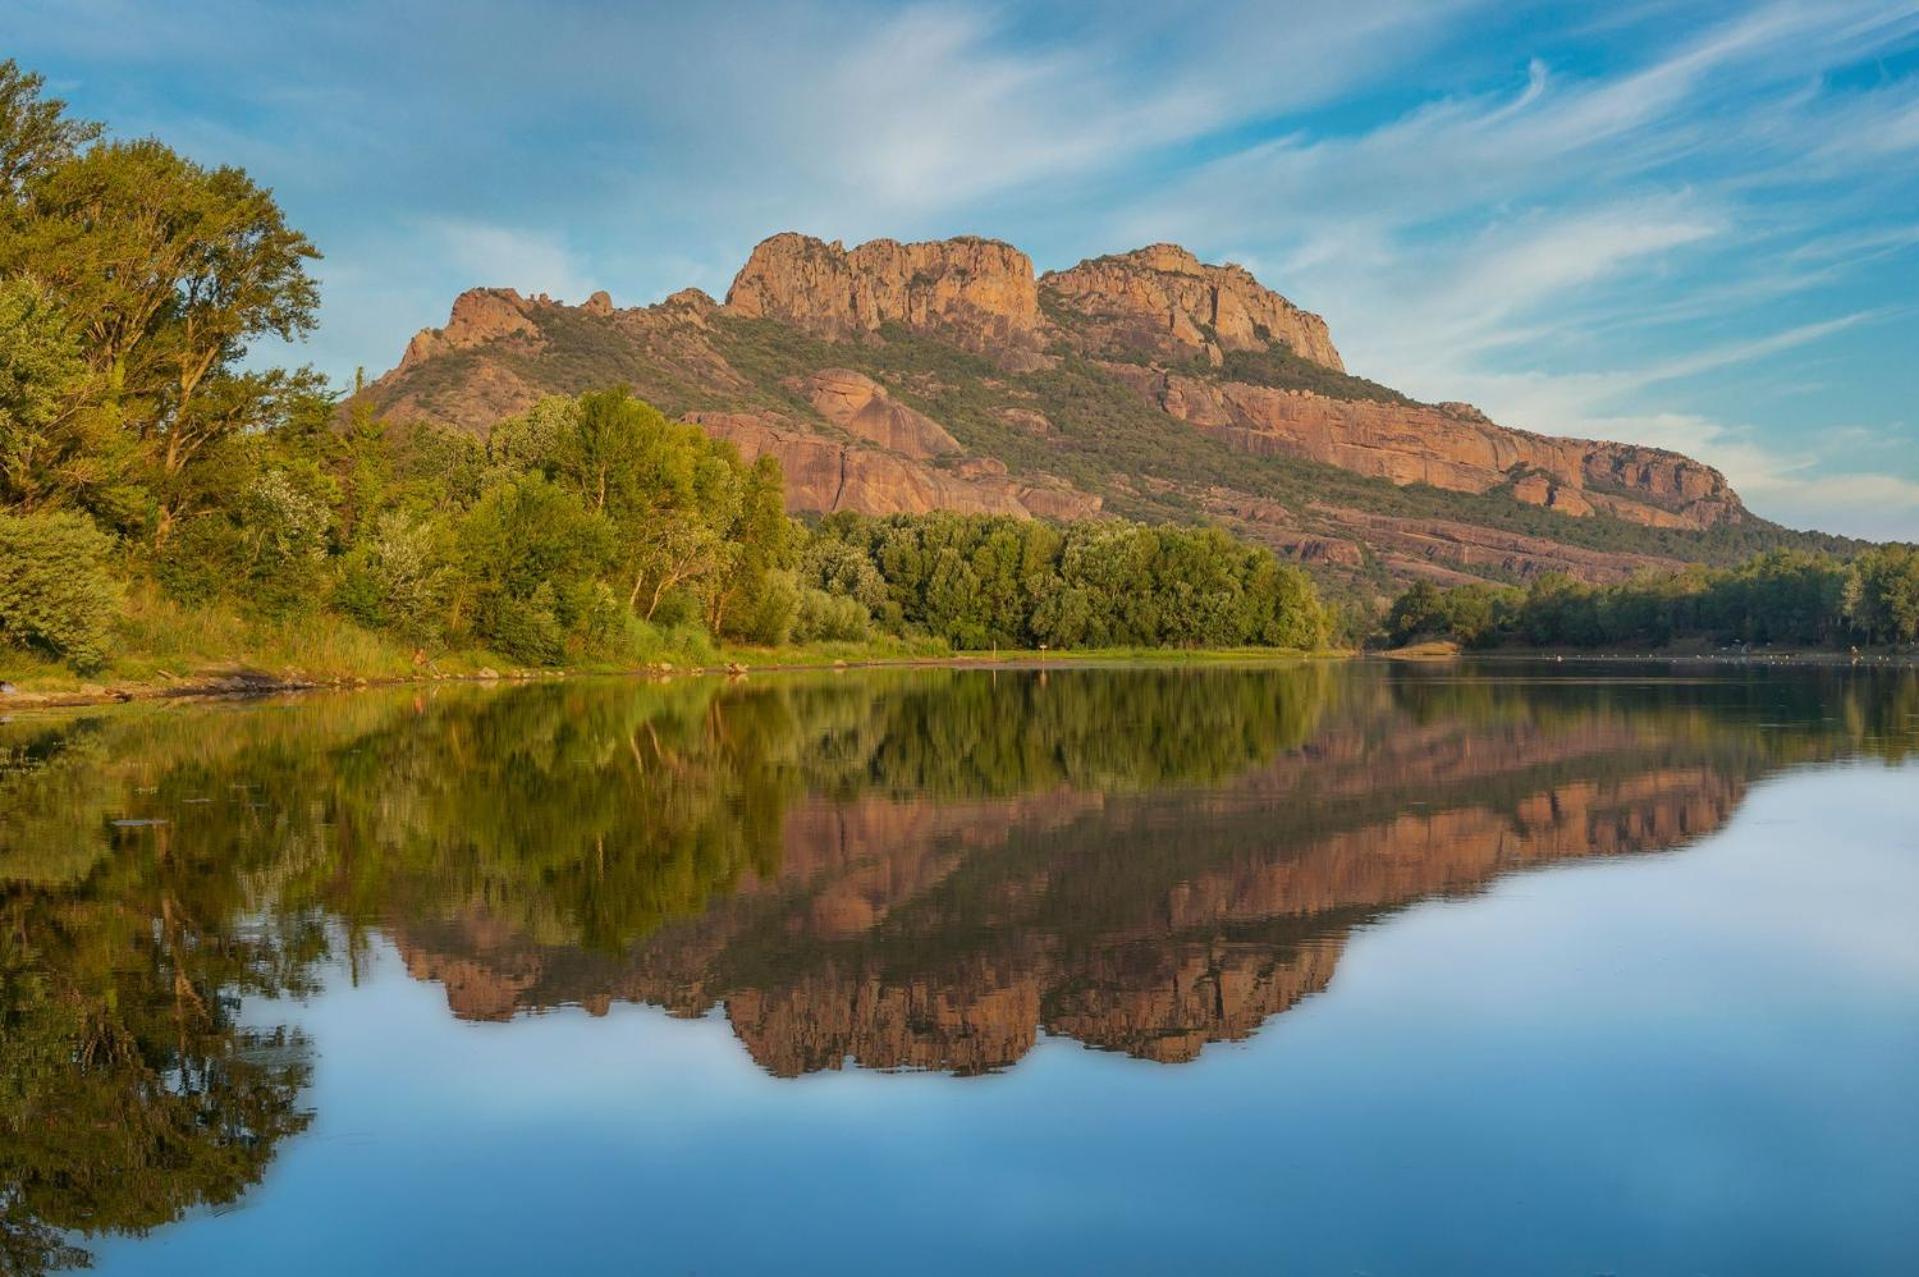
1694	225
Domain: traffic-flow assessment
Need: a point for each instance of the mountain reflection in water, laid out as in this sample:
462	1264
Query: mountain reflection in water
900	869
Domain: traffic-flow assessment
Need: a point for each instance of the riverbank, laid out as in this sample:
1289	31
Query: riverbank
46	686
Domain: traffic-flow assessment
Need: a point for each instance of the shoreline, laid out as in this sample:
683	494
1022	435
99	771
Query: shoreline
244	683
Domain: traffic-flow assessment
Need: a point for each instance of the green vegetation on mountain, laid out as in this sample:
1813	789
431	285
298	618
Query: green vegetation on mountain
1106	439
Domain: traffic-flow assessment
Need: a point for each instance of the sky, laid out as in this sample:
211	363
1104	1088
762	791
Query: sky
1691	225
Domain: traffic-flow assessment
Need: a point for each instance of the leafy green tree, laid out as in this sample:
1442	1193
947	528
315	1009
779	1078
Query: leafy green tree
753	595
166	272
56	594
52	445
1884	597
1419	610
531	555
400	577
36	134
672	496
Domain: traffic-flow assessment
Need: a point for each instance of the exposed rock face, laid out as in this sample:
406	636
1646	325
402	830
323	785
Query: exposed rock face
1453	447
861	407
977	292
480	315
1162	300
825	475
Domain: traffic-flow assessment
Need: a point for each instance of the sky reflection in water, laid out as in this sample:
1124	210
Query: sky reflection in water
1341	1030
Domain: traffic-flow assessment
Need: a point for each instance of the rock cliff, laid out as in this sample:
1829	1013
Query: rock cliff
1161	300
907	377
1451	446
978	292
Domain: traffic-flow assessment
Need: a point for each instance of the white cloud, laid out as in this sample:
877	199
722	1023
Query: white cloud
499	256
1577	246
1880	507
1572	252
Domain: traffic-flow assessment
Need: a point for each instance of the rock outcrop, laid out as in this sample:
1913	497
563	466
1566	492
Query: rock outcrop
1161	300
825	474
862	407
480	316
1453	447
979	293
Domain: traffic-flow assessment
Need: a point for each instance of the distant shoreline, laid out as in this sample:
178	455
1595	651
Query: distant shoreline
1447	651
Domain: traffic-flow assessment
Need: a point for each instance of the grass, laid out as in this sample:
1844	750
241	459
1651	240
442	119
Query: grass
160	643
158	640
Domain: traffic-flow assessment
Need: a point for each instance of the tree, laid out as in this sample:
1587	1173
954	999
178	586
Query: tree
166	272
672	496
36	134
1419	610
531	554
760	544
48	449
1886	594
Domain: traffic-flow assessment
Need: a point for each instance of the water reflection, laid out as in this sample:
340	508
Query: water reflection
899	870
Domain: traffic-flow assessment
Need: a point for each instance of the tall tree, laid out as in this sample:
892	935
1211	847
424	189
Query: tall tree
166	272
36	134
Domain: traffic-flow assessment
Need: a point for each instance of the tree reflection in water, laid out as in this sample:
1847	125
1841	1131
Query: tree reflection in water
905	869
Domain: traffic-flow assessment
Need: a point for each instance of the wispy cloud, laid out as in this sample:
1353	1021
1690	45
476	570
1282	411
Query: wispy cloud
1655	222
529	260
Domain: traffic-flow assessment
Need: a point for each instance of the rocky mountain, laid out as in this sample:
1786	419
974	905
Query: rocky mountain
895	377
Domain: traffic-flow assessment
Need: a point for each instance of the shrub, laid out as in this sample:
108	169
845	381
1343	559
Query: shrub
530	555
770	609
202	560
56	594
830	618
398	579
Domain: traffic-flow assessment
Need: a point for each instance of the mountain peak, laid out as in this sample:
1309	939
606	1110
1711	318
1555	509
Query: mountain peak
479	315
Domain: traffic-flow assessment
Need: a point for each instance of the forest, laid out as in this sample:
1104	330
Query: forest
1783	598
160	491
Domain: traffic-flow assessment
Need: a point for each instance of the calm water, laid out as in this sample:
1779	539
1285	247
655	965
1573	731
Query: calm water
1332	969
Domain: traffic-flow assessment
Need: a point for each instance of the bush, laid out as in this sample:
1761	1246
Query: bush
770	610
55	591
830	618
267	553
398	579
202	560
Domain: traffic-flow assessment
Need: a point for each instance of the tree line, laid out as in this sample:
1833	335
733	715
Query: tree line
141	452
1786	598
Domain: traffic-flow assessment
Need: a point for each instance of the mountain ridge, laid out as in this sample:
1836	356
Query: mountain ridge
905	377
